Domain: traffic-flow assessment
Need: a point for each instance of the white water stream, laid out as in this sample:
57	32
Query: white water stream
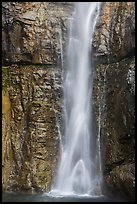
78	173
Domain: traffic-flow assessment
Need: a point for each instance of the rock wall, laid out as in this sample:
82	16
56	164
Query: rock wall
31	31
33	37
114	94
34	95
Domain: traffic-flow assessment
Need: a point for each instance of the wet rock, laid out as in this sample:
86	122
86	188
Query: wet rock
114	39
35	33
115	99
33	133
123	176
114	94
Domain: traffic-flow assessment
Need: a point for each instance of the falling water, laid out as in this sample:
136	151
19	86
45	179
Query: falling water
77	173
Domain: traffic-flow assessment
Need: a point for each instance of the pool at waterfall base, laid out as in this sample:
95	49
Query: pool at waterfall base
47	197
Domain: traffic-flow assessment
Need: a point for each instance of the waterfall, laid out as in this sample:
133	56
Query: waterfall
77	173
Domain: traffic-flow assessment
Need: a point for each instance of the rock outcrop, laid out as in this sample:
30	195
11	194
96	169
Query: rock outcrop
32	31
114	94
33	44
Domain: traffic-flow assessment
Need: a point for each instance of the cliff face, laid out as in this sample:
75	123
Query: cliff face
34	35
114	94
32	31
33	143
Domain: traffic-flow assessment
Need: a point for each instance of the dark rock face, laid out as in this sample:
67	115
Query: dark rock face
114	94
116	39
117	124
33	37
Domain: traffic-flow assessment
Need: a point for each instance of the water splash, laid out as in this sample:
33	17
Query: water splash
77	170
